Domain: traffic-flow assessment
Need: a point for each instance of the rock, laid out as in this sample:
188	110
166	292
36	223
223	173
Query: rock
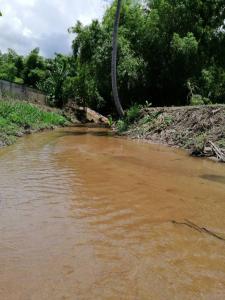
93	116
80	114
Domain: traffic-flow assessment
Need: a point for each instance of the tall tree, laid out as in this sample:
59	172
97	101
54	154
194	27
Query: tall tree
114	61
34	68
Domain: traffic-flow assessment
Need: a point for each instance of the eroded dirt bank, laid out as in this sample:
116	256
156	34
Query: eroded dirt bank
186	127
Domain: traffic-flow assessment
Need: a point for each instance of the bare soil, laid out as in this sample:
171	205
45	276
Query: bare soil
190	128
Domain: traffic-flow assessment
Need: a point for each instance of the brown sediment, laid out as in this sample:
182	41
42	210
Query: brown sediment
84	215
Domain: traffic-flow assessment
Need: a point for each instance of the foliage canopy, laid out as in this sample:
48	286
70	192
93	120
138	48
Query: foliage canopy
170	52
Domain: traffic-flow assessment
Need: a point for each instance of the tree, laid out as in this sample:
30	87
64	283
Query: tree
54	82
164	47
8	68
34	68
114	61
92	50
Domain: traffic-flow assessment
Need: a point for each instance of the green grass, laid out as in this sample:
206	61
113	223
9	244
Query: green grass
16	117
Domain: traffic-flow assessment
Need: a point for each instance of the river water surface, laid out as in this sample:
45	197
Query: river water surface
85	215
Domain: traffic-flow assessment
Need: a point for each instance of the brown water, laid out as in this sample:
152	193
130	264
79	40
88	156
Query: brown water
84	215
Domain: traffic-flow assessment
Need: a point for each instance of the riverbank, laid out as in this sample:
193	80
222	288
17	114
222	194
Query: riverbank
18	118
191	127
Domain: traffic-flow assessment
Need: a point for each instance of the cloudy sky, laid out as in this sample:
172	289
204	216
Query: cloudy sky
27	24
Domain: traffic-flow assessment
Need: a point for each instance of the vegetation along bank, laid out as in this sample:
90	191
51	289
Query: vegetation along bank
18	118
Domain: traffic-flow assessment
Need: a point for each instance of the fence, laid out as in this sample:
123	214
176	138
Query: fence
21	92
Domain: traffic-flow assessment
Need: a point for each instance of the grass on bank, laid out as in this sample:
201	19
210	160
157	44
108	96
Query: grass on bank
18	117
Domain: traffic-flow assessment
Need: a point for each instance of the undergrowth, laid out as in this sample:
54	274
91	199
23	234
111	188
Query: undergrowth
131	116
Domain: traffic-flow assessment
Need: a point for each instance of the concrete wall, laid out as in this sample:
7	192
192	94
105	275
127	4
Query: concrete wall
21	92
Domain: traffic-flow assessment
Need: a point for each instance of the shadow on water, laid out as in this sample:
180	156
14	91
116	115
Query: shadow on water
90	125
214	178
89	132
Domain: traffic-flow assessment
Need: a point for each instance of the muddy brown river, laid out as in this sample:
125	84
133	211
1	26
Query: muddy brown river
85	215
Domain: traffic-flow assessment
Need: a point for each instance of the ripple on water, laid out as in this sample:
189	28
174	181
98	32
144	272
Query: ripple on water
87	216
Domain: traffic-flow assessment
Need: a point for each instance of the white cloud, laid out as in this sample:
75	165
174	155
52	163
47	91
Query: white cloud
27	24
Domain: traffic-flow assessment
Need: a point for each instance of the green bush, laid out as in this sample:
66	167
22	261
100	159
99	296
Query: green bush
133	113
199	100
121	126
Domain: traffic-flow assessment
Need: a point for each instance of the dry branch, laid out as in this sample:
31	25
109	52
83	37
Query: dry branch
220	154
199	229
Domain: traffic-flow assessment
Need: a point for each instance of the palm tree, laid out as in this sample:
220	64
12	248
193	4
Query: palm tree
114	61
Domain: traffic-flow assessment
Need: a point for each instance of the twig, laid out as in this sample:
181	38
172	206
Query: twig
199	229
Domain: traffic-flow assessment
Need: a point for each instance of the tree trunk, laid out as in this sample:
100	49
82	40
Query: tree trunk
114	62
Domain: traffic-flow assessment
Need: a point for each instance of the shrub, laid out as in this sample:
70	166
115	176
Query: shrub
121	126
133	113
199	100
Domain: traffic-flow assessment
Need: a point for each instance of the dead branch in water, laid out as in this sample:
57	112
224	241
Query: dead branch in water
199	229
220	154
209	149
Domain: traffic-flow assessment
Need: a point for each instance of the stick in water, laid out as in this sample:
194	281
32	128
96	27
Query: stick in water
199	229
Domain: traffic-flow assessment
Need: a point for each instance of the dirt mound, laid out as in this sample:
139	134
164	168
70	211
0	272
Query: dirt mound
79	114
187	127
